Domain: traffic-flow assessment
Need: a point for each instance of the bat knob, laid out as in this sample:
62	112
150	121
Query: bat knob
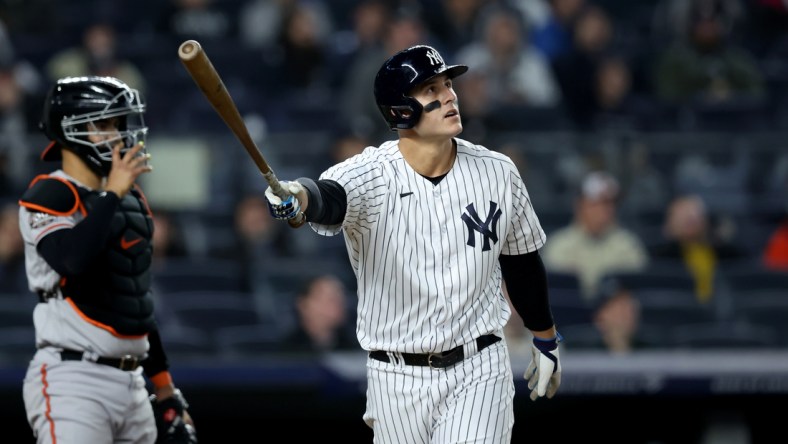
297	221
189	49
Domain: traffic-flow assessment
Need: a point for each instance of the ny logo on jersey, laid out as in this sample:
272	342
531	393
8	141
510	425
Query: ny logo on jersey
435	58
475	224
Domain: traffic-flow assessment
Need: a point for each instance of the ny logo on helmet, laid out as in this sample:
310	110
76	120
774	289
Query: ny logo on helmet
487	228
435	58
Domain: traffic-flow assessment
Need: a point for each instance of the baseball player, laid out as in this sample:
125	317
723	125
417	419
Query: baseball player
433	226
87	232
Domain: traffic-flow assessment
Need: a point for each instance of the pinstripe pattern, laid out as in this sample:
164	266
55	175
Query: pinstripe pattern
470	402
426	261
421	288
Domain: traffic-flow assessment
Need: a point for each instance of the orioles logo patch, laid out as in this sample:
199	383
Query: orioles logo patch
38	220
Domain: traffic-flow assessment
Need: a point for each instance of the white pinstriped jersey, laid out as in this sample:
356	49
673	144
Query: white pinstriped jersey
426	256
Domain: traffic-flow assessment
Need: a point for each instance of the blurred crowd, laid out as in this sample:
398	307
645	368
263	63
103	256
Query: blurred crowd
651	135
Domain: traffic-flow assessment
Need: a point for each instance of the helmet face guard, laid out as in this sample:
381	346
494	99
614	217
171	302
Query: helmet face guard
399	75
76	104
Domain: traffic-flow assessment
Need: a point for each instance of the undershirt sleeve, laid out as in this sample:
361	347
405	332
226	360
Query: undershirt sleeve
70	251
327	201
156	362
526	282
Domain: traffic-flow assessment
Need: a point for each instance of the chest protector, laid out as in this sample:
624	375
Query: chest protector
115	289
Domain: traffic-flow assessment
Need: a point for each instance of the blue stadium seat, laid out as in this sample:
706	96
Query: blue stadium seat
566	301
183	343
17	310
248	341
194	274
760	296
724	335
666	295
17	345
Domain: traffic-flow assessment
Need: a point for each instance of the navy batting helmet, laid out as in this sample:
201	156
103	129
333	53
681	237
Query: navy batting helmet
399	75
72	107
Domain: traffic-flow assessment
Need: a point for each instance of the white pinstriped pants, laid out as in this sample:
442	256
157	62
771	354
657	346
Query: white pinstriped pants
469	402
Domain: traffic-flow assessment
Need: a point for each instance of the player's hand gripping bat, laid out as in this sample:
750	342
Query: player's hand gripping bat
196	62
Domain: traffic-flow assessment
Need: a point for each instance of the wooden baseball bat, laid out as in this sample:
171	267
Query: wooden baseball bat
202	71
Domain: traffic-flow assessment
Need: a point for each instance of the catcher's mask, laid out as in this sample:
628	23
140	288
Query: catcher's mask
399	75
75	104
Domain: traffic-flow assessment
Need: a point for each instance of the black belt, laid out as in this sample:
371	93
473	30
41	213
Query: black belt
437	360
127	362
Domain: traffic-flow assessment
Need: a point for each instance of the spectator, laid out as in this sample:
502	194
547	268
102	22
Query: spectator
617	318
594	244
357	107
7	53
689	238
575	70
196	19
617	105
365	34
97	55
257	241
454	22
322	318
15	157
537	174
775	256
707	65
304	54
260	21
645	182
13	278
343	144
168	241
551	33
517	74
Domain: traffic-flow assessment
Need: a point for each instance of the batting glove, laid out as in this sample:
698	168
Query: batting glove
544	371
284	209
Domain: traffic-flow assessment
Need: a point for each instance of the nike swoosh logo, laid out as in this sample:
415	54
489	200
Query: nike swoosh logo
405	194
128	244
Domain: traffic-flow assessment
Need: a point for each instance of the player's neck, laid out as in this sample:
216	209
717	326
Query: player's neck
428	159
76	168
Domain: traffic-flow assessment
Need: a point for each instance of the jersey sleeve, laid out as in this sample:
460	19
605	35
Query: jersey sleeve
358	177
48	205
525	233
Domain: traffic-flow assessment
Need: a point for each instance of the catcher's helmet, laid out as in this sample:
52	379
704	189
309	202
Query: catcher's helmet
400	74
72	107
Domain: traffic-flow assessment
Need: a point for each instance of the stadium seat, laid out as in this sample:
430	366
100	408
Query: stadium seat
760	297
724	335
248	341
178	275
566	301
17	345
209	310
